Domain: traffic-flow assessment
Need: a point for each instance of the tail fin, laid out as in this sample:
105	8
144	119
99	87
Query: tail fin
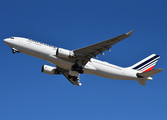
146	64
145	67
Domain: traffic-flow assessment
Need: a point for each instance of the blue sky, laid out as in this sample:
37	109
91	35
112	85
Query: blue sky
26	93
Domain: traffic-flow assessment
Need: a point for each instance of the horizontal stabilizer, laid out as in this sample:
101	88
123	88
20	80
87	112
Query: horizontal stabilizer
149	73
142	82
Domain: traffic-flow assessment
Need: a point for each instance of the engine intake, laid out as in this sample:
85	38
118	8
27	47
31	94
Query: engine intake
50	70
63	53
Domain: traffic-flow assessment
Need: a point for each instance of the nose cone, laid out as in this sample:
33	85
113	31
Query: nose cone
7	41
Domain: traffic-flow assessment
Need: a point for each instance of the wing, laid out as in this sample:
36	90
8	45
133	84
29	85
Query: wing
74	82
86	53
72	79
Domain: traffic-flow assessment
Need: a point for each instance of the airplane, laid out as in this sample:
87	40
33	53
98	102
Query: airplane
72	63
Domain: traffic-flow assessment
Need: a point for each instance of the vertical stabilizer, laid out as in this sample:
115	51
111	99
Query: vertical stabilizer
145	68
146	64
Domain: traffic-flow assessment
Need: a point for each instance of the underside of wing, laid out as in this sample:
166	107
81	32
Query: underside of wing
86	53
73	80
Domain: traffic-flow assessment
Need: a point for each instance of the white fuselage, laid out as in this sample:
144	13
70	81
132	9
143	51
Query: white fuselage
48	53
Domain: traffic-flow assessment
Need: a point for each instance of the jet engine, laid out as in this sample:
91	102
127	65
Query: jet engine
50	70
63	53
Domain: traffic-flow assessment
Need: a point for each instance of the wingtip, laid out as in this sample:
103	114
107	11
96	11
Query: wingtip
79	84
130	33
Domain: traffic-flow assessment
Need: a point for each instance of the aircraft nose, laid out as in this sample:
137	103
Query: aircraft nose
7	41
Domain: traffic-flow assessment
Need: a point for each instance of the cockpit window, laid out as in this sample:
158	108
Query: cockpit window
11	37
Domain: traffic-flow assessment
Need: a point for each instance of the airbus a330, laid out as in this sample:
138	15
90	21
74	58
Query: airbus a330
72	63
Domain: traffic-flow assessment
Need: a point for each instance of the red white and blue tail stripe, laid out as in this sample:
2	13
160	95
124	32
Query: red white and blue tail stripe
146	64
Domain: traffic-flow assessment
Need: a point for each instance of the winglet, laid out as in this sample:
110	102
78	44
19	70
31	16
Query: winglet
130	33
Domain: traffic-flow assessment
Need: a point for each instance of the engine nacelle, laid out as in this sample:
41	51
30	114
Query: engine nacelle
63	53
49	70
